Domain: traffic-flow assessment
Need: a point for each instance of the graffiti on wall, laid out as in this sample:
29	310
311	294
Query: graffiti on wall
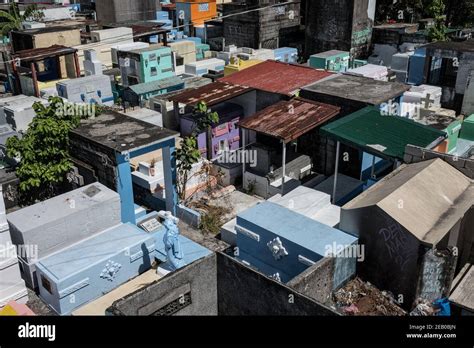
397	244
361	37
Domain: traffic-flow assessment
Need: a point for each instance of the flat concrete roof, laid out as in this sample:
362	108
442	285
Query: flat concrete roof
46	212
97	249
358	88
457	46
122	133
294	227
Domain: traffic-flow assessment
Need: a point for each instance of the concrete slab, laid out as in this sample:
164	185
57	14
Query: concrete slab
66	219
347	188
99	306
238	202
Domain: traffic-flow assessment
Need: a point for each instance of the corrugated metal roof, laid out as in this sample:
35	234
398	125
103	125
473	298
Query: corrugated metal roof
211	94
147	87
42	53
385	136
288	120
276	77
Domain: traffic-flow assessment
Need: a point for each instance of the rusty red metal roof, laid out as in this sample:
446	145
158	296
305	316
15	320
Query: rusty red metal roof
277	77
211	94
288	120
42	53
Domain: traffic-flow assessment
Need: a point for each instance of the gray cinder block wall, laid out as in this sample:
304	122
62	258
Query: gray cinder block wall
415	154
244	291
112	11
339	25
100	159
260	29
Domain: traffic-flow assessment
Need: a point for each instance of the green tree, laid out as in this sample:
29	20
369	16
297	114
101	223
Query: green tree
43	151
460	13
13	19
187	154
407	11
436	10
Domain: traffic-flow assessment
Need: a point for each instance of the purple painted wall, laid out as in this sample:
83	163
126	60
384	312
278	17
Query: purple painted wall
226	133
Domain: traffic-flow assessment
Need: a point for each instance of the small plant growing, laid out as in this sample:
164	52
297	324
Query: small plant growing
212	219
251	188
152	167
188	152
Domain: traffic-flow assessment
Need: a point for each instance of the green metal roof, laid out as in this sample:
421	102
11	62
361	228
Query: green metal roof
384	136
148	87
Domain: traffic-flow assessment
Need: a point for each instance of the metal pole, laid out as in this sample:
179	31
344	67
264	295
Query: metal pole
283	170
338	147
77	65
243	156
372	172
35	79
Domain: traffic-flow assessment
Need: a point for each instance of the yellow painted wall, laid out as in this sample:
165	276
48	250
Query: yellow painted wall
240	65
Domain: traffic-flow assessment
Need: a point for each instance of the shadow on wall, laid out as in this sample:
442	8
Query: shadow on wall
146	265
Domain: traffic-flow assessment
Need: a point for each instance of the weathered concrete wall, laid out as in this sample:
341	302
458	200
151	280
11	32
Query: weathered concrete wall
9	182
244	291
328	25
191	290
468	101
437	274
414	154
94	156
466	65
466	240
68	38
110	11
316	282
259	29
363	22
392	255
265	99
339	25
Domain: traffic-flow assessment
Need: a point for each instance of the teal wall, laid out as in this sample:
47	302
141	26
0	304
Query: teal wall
156	65
336	63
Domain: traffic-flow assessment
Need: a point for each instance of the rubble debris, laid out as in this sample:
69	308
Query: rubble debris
361	298
423	308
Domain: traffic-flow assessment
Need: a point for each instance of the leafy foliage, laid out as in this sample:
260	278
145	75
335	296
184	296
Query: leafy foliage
400	10
188	152
43	152
13	19
460	13
437	10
